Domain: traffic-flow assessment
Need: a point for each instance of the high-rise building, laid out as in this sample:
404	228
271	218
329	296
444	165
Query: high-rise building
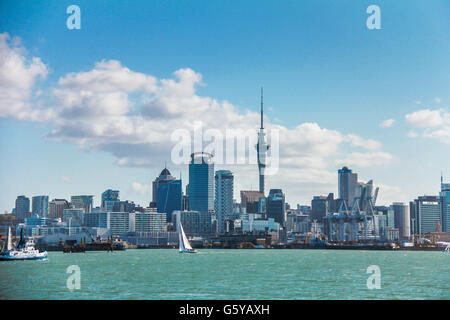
276	206
40	206
250	200
123	206
262	147
169	197
347	185
109	197
150	222
56	208
163	179
194	222
22	209
321	206
223	204
73	217
201	182
83	201
445	200
402	219
428	214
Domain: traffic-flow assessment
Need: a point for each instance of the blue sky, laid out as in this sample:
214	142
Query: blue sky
317	61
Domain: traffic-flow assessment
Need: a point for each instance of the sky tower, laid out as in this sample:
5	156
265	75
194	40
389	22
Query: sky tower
262	147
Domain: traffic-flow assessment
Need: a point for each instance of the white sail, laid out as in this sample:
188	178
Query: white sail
184	242
9	245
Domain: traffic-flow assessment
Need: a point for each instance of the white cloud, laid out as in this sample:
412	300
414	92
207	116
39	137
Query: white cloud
65	178
131	115
18	76
139	188
435	124
425	118
437	100
387	123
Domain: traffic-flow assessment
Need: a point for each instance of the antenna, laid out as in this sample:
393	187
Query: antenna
262	108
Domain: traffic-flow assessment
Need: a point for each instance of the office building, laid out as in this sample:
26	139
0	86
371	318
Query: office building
22	209
347	184
194	223
169	197
73	217
40	206
250	200
56	208
82	202
201	183
276	206
163	179
445	201
428	214
150	222
402	220
321	206
223	203
109	197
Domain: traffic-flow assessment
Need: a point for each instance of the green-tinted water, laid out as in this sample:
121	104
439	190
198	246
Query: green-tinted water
230	274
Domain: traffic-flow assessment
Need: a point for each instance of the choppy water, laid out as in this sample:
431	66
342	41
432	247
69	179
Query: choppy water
230	274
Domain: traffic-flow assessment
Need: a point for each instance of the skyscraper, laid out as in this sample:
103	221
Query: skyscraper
428	214
250	200
169	197
56	208
262	147
347	185
40	206
276	206
223	203
109	197
402	219
201	182
84	201
22	209
445	201
163	179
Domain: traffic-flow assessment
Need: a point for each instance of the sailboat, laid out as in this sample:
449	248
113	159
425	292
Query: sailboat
185	246
23	251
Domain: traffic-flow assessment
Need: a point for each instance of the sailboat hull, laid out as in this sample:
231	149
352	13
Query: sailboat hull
188	251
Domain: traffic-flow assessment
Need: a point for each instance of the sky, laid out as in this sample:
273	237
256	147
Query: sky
88	109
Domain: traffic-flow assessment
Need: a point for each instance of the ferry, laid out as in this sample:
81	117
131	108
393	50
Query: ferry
25	250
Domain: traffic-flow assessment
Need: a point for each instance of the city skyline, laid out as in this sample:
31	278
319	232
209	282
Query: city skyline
374	101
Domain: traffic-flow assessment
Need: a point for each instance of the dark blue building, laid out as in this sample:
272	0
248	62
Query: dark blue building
169	197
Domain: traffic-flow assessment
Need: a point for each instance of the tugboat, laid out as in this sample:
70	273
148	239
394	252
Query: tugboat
25	250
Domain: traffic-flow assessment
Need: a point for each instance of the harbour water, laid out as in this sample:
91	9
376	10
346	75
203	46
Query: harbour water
230	274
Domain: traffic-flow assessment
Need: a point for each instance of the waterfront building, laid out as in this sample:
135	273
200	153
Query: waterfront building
123	206
276	206
169	197
163	179
22	209
250	200
223	203
402	220
298	223
194	222
109	197
347	184
256	223
56	208
73	217
120	222
150	222
445	200
201	182
262	206
83	201
428	214
40	206
321	206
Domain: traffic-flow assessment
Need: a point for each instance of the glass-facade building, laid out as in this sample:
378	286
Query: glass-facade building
201	183
223	203
40	206
169	198
22	209
445	200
